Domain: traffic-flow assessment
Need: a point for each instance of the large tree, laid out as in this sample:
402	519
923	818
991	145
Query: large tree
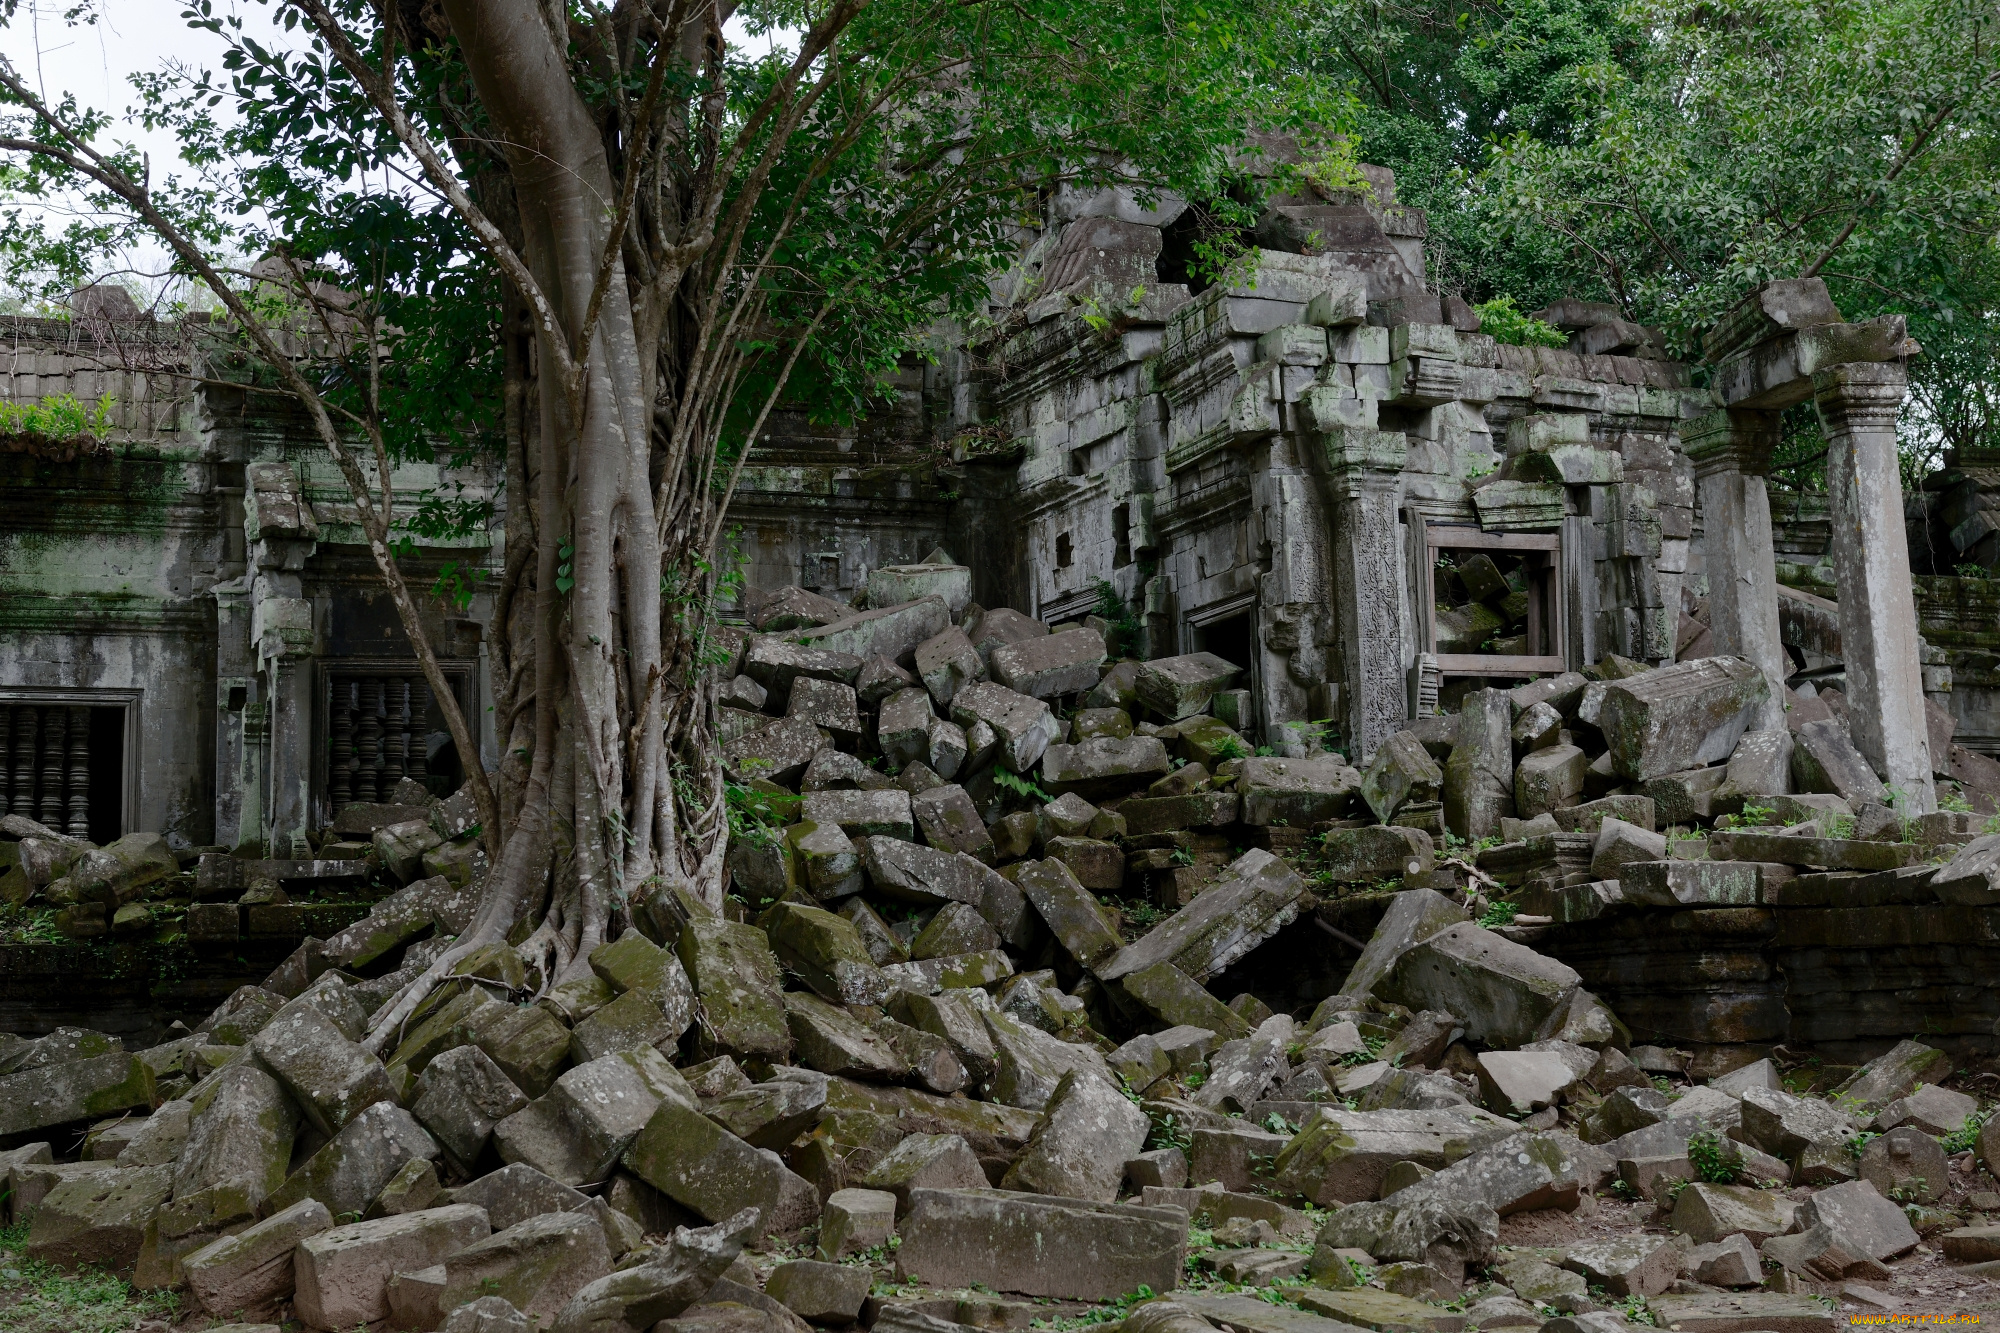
651	237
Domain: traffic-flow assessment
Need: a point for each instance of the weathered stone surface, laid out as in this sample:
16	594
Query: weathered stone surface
1029	1064
828	1039
1478	788
529	1044
356	1163
826	952
331	1078
1521	1082
778	752
1738	1312
1972	877
896	585
1241	1071
577	1131
926	876
903	727
117	874
1073	915
1178	687
1680	716
1342	1156
78	1089
1892	1074
1860	1220
1503	991
1037	1246
1177	999
98	1218
343	1273
1100	766
1256	896
828	705
1384	1311
1376	854
1729	1262
1926	1109
862	814
517	1192
891	631
1971	1245
854	1221
461	1096
1295	792
925	1161
1402	773
949	822
1025	727
1079	1149
239	1144
820	1293
733	971
252	1270
1628	1265
792	607
947	662
1067	662
1515	1174
654	1007
1620	844
703	1167
1414	915
671	1278
1549	779
1708	1213
1824	760
1691	883
536	1265
1795	1128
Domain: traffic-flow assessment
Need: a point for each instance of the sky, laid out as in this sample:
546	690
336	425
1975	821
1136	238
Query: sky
95	62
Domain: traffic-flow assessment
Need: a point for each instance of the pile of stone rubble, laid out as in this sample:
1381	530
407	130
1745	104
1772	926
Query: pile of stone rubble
952	1057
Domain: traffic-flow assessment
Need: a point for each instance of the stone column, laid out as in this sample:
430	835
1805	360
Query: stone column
1365	468
1871	558
1731	452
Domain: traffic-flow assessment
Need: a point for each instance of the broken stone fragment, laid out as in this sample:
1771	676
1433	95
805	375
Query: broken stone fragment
1028	1064
331	1078
779	752
343	1273
946	663
1044	667
826	952
517	1192
1479	777
1707	1213
1178	687
461	1096
1729	1262
1761	767
536	1265
98	1218
736	976
862	814
1800	1130
1402	773
1549	779
1242	1071
1079	1149
75	1090
828	1039
1627	1265
1177	999
1679	717
854	1221
1256	896
1295	792
1691	883
118	874
1343	1156
828	858
356	1163
1376	853
1536	727
1073	915
828	705
818	1292
655	1003
1413	916
239	1145
903	727
1894	1073
1519	1083
949	822
670	1279
1038	1246
1620	844
1824	760
1024	726
252	1270
401	847
1504	991
891	631
703	1167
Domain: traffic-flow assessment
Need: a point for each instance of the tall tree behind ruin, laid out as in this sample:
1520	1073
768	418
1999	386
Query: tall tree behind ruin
676	233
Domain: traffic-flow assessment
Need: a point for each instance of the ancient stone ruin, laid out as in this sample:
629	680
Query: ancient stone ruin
1312	820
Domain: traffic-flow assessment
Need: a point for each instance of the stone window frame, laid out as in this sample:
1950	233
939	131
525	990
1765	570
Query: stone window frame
131	700
1437	537
462	673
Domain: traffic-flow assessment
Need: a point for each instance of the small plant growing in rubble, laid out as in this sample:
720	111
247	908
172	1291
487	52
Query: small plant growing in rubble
1712	1162
1961	1139
1499	914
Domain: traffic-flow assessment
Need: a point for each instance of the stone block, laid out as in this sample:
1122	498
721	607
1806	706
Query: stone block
1972	877
536	1265
925	1161
351	1169
1928	1109
119	873
461	1096
98	1218
1028	1064
778	752
736	977
1178	687
1739	1312
1341	1156
1001	626
1037	1246
1824	760
1177	999
946	663
862	814
891	631
1517	1173
1165	814
828	705
705	1168
1729	1262
1382	1311
1295	792
401	847
1401	773
1519	1083
903	727
1682	716
1102	766
1478	788
1971	1245
1549	779
1620	844
1088	1131
1860	1220
1256	896
517	1192
819	1292
1691	883
1073	915
1024	726
56	1094
826	952
948	821
854	1221
343	1273
1793	1127
1413	916
239	1145
828	1039
1894	1073
1376	854
895	585
331	1078
252	1270
1627	1265
1708	1213
1503	992
1045	667
925	876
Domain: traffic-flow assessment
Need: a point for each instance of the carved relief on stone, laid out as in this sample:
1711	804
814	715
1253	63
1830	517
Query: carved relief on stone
1301	632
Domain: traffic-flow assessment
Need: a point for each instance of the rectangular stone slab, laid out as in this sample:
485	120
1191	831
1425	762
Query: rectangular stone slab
1256	897
57	1094
1038	1245
1739	1312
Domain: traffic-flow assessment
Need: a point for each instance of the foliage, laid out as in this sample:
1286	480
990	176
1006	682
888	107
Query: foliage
57	417
1501	320
1712	1161
1499	914
40	1298
1019	786
1126	624
1963	1138
29	925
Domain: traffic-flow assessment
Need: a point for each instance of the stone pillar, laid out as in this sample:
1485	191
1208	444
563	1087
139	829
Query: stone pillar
1731	452
1365	468
1871	558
